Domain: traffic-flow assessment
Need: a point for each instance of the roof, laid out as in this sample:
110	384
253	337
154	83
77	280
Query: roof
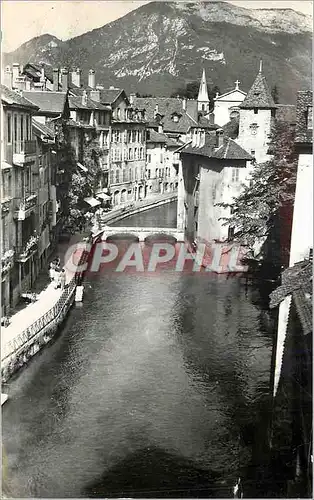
259	95
297	281
43	129
109	96
156	137
75	102
286	113
167	107
304	134
47	102
231	128
13	98
206	123
230	150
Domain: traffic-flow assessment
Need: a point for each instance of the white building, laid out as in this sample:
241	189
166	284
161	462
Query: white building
226	106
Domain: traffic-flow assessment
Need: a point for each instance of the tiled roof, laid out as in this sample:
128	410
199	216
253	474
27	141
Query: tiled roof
259	95
206	123
286	113
297	281
206	150
8	96
48	102
230	150
75	102
156	137
109	96
231	128
304	135
43	129
167	106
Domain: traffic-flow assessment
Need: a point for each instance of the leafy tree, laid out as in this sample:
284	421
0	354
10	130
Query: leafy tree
271	187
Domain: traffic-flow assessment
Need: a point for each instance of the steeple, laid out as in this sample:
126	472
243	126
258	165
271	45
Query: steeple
203	93
259	95
203	99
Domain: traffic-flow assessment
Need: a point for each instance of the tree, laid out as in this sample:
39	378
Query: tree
190	91
271	187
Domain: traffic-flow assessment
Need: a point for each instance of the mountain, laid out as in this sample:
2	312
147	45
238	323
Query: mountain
161	46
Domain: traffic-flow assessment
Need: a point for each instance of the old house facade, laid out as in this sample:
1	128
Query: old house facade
227	106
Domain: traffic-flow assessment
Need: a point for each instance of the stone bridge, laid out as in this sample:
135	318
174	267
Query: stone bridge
139	232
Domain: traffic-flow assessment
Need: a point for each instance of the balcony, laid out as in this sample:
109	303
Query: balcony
24	252
24	152
24	207
7	261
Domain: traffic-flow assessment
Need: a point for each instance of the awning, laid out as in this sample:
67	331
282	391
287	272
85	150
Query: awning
103	196
82	167
92	202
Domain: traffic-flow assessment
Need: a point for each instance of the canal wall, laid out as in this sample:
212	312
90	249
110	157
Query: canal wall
21	348
141	206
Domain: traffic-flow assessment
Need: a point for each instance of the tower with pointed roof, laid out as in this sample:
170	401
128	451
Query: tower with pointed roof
203	99
257	112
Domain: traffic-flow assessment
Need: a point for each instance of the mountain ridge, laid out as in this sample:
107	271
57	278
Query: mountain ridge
161	46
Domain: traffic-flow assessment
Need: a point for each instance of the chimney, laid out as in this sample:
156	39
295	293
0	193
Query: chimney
15	73
132	97
42	73
160	128
76	77
55	79
156	111
184	103
91	79
7	79
64	79
219	137
95	95
84	98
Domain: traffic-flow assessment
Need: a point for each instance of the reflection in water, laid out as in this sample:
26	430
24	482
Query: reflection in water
148	392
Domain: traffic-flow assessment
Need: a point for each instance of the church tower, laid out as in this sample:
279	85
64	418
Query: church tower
203	99
257	113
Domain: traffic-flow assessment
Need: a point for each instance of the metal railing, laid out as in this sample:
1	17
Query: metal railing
26	202
41	323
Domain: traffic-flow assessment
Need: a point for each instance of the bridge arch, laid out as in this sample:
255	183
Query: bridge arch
122	237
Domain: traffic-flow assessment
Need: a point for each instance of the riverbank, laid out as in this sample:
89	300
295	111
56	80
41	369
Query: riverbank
133	209
34	326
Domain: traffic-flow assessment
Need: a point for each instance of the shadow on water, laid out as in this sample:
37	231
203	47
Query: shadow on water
154	473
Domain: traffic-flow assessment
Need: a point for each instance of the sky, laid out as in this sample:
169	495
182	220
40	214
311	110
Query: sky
22	20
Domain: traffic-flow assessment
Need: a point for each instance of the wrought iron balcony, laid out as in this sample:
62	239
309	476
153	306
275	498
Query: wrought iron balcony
24	152
25	206
7	261
23	253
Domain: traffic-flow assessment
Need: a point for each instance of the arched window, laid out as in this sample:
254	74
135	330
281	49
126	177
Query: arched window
130	174
117	176
124	175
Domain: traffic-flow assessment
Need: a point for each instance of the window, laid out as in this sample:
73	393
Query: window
117	176
235	175
135	153
141	153
22	127
136	174
130	154
253	152
133	136
117	155
255	111
156	172
116	136
28	135
310	117
124	175
15	128
161	158
148	173
253	128
149	158
9	131
118	113
130	174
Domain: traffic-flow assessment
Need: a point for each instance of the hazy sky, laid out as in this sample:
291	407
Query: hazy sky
22	20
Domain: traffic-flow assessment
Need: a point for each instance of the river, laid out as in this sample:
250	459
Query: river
151	389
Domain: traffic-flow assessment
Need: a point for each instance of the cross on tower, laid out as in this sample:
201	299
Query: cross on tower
237	84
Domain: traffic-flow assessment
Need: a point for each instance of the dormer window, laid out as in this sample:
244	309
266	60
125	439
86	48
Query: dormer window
309	117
